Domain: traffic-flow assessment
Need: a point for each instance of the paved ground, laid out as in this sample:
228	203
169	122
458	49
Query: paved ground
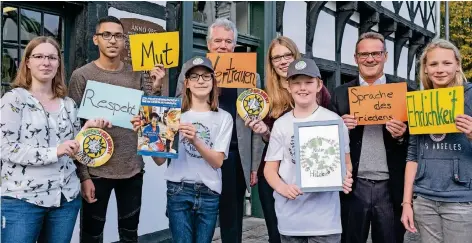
255	231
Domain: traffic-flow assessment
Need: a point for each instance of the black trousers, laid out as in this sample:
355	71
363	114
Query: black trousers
370	206
232	199
128	198
267	201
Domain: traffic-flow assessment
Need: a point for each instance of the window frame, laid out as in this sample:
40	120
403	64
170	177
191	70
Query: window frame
18	45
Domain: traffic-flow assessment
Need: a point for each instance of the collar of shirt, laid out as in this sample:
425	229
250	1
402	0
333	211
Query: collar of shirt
381	80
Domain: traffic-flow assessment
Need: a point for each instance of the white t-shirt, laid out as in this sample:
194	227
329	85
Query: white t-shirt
310	214
214	129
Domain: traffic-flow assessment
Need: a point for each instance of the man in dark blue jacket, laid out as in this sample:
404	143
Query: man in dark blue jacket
378	155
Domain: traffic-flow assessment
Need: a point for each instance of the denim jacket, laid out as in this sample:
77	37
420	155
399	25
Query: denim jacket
31	170
444	162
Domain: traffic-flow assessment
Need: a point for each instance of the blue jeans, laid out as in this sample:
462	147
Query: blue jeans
27	223
192	210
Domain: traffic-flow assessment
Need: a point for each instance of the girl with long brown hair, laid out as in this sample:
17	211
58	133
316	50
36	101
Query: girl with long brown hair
40	188
194	179
282	51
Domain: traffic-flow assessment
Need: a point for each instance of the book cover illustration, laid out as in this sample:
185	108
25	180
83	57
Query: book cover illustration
160	119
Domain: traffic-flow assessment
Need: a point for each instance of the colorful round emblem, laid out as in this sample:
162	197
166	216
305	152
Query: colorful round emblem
253	104
96	147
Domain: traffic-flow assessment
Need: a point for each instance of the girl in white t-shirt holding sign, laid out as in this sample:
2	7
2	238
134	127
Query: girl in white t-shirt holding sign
194	178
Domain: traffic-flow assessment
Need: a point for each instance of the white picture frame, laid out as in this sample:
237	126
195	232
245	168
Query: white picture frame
319	155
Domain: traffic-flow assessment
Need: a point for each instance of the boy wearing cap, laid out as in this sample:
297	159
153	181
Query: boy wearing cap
303	217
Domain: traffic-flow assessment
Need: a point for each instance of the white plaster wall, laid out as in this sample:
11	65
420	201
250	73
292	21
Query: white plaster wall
389	65
430	23
403	64
294	23
162	3
355	17
154	196
349	44
413	69
324	45
404	11
331	5
375	28
418	20
388	5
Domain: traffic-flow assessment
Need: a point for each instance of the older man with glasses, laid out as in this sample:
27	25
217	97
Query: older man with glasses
239	171
378	154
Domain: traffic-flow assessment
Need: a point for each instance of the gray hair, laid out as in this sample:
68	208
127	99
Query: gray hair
372	36
226	24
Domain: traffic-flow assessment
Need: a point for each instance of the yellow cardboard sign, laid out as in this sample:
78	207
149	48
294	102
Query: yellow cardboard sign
147	50
434	111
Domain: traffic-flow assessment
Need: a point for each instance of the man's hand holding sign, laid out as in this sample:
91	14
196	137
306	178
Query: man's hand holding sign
379	104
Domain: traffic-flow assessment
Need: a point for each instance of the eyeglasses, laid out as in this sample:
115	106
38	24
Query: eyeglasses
107	35
286	56
374	54
194	77
41	57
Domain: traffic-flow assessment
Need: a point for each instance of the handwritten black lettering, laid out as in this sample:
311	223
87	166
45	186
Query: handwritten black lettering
372	118
104	104
373	96
156	58
232	75
380	106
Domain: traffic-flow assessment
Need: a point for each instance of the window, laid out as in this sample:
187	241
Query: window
19	26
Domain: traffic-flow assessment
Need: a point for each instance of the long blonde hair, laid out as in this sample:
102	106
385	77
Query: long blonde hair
23	77
459	79
280	98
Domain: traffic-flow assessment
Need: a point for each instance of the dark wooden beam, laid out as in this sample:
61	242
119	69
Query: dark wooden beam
387	26
279	16
402	35
312	12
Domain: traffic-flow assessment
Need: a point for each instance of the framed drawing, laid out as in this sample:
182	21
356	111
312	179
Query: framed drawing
319	155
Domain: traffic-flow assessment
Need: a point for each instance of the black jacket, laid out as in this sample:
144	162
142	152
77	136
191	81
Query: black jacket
396	150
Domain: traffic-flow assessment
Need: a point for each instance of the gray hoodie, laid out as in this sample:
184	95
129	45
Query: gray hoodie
444	162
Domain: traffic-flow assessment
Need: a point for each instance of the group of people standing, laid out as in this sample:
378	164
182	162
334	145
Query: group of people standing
394	180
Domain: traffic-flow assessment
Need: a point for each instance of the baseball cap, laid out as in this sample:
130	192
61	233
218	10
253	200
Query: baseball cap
198	61
303	66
